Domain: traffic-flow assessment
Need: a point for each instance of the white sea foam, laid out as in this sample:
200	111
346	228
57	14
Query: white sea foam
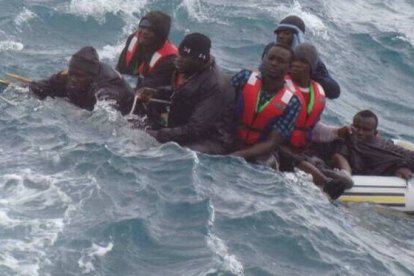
24	17
365	16
218	246
90	254
195	10
99	8
9	45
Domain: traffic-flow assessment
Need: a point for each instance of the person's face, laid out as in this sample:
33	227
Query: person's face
300	70
284	37
364	128
146	36
277	62
187	65
79	80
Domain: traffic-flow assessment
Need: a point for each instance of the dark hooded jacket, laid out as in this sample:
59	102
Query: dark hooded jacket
380	157
161	75
202	110
107	83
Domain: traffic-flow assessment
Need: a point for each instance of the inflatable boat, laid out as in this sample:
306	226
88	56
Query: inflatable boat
390	191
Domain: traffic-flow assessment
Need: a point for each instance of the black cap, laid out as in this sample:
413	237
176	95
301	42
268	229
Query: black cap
85	61
292	20
195	45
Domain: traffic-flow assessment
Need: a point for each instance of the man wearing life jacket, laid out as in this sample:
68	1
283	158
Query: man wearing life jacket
202	102
290	32
267	109
312	94
148	53
86	81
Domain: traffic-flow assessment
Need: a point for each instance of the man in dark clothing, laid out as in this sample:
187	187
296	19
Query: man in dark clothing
148	54
87	80
290	32
369	154
202	102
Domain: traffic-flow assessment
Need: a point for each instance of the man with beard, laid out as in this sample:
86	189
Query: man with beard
202	102
86	80
365	153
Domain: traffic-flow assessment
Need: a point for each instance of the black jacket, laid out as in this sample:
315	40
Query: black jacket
380	157
321	75
109	84
202	109
160	76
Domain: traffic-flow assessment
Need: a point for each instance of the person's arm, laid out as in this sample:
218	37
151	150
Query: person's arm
322	76
261	148
53	86
121	66
322	133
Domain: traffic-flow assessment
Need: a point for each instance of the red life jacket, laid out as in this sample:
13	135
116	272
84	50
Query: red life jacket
306	120
254	123
166	50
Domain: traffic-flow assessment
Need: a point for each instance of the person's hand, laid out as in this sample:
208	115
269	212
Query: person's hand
144	94
344	131
404	173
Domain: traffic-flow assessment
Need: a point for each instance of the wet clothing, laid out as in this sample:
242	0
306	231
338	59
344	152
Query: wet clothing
158	76
284	124
380	157
320	75
201	113
108	84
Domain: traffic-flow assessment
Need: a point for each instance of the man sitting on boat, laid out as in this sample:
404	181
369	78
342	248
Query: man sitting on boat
86	81
290	32
298	152
202	103
365	153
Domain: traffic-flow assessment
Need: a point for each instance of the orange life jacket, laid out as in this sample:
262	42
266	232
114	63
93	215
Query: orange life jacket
255	124
166	50
309	113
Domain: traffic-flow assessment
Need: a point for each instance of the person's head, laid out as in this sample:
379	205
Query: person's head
83	67
154	28
365	124
277	61
304	62
193	53
290	31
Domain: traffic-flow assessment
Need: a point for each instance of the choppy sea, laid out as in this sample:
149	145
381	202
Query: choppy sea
81	193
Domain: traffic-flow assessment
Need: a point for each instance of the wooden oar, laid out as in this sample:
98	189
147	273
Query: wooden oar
19	78
4	82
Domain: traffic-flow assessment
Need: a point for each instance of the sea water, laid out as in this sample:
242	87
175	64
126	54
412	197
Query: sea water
81	193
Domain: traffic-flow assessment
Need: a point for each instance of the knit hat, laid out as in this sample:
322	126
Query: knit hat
159	22
195	45
85	61
307	52
292	22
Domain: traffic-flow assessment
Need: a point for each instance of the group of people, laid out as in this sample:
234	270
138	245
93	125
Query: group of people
269	116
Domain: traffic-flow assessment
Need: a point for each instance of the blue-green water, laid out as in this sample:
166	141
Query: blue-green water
83	194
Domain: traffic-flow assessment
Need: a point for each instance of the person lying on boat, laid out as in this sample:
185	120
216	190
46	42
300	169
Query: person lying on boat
267	112
202	103
86	81
312	99
365	153
290	32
